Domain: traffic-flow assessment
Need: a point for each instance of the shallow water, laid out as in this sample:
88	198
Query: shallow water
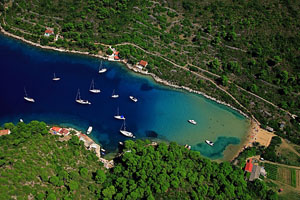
160	112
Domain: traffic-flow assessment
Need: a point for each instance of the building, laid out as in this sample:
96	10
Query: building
48	32
4	132
143	63
269	129
116	57
249	166
56	130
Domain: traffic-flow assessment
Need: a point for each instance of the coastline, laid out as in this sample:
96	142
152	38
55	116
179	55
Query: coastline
137	70
255	134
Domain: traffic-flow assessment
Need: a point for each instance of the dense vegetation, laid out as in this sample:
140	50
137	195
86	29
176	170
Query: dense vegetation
245	46
35	164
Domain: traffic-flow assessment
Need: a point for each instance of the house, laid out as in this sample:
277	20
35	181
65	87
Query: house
48	32
64	131
256	172
249	166
56	130
116	55
143	63
4	132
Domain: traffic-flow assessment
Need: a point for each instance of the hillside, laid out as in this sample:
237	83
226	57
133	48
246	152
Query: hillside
34	164
245	53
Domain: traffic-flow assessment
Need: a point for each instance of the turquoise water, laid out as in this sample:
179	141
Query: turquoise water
160	113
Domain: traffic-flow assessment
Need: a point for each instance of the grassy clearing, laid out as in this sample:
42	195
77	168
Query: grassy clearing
293	177
272	171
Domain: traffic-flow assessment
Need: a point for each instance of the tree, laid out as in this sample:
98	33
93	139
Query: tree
109	192
100	176
54	180
109	51
224	80
73	185
84	171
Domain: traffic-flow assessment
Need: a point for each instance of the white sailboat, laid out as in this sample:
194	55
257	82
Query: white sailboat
118	116
124	132
133	99
102	69
114	95
55	78
89	130
28	98
79	100
92	88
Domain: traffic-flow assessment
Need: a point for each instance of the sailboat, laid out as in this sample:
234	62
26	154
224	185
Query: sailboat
55	78
79	100
118	116
124	132
114	95
28	98
102	69
92	88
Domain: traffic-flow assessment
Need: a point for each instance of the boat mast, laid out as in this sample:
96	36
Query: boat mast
92	85
78	95
54	75
25	92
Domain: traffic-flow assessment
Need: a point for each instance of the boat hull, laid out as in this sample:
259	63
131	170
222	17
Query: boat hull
95	91
29	99
102	71
127	133
119	117
83	102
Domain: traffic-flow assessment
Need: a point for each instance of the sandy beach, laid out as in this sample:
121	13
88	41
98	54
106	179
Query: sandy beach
255	134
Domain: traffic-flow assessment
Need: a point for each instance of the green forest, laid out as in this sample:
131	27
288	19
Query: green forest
249	49
36	165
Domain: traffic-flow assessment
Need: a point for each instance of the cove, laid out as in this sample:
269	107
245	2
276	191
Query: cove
160	113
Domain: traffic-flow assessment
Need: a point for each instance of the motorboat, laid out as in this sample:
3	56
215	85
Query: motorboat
89	130
209	143
192	121
29	99
133	98
118	116
124	132
80	101
55	78
92	88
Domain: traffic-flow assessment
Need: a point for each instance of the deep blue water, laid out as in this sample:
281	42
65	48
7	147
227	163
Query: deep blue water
161	112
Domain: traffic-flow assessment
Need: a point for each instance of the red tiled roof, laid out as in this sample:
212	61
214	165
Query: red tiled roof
117	58
64	131
116	53
143	63
249	165
56	129
49	31
4	132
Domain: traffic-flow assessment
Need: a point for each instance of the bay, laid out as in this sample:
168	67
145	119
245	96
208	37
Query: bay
161	112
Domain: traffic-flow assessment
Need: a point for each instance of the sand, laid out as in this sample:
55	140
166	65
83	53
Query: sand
255	134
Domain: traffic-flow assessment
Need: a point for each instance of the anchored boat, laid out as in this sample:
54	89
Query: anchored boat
114	95
92	88
133	98
28	98
55	78
192	121
79	100
118	116
209	143
89	130
124	132
102	69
